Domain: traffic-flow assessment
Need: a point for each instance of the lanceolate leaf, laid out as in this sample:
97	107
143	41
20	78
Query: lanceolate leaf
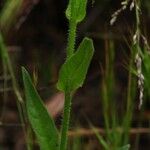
41	122
77	10
74	70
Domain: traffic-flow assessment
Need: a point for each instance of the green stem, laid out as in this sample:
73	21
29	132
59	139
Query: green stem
71	38
129	109
72	30
68	96
105	108
66	120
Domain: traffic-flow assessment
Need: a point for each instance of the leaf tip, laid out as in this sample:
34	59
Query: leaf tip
23	70
25	75
90	41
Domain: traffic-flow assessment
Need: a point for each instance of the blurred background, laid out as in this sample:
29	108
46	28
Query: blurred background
36	37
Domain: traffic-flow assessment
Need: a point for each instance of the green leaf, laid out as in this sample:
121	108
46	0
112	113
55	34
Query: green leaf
74	70
42	124
126	147
76	10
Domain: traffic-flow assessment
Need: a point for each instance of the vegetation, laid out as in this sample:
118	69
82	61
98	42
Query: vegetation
118	120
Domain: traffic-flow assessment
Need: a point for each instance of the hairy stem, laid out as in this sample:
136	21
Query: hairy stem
71	38
66	120
72	30
68	96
